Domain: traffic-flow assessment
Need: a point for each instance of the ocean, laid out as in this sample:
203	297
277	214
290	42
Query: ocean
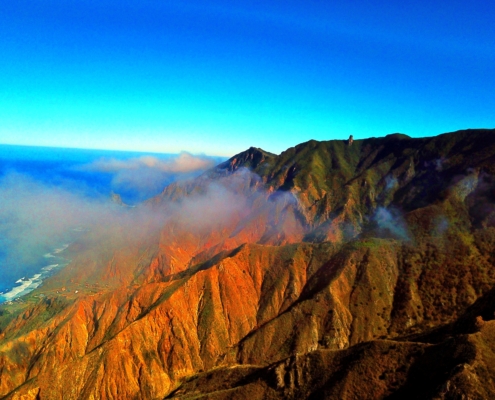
40	187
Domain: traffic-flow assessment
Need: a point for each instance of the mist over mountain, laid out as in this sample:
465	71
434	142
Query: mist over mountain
49	195
336	269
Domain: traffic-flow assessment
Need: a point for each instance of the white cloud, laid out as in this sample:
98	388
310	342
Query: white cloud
148	175
183	163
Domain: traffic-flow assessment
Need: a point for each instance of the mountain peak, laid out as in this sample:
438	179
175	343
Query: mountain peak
250	158
399	136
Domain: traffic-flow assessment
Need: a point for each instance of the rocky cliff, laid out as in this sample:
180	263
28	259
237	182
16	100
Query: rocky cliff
328	271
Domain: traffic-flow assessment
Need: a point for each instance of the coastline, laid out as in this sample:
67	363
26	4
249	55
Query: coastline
26	285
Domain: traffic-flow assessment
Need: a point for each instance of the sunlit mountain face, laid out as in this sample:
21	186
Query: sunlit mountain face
49	195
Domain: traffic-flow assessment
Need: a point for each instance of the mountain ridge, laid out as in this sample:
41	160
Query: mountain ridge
325	252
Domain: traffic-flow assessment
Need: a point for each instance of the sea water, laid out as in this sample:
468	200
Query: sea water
47	265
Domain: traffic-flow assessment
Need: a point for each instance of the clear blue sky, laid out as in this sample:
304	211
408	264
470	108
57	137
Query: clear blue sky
220	76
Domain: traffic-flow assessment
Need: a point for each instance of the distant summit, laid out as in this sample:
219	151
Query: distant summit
251	158
116	198
398	136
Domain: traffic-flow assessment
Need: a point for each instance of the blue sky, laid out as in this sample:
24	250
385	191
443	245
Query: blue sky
217	77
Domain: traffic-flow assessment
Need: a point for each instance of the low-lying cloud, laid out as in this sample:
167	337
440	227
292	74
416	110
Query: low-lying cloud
32	214
148	175
391	222
183	163
36	217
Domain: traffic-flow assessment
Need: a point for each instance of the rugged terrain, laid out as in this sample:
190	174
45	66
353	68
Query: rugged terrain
328	271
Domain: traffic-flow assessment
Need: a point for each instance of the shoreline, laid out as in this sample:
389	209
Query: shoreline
27	285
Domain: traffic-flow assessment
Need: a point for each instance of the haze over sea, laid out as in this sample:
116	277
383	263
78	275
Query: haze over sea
46	194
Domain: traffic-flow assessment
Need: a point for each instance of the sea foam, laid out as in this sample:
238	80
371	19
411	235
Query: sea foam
26	285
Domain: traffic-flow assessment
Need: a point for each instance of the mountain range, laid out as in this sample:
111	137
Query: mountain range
336	270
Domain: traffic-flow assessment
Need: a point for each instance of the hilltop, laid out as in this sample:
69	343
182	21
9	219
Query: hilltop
328	271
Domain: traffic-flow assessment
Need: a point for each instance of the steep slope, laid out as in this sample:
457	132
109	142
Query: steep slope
452	361
455	368
279	276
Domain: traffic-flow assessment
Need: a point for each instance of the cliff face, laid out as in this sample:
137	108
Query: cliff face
329	270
